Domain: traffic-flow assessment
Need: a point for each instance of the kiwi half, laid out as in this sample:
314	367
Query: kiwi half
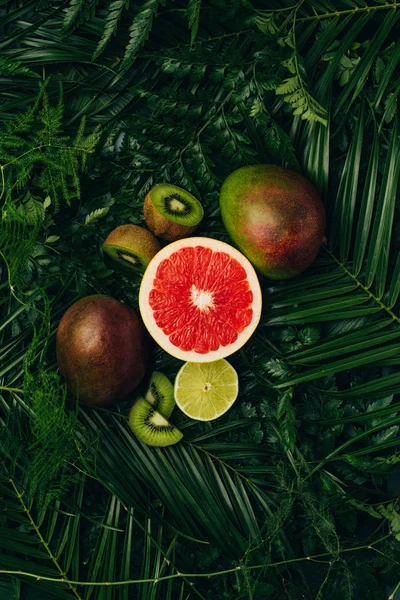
132	246
171	213
151	427
160	394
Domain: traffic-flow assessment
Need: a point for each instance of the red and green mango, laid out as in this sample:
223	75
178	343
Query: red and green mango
275	217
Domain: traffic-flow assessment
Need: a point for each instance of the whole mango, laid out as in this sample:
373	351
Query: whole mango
101	349
275	217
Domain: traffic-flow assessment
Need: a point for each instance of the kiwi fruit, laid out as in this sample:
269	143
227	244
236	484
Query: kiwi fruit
160	394
150	426
171	213
132	246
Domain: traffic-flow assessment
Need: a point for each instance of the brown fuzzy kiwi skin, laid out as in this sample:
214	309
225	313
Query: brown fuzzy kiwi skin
162	227
102	350
135	238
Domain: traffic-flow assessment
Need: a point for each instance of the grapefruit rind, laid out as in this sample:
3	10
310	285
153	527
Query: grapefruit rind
148	284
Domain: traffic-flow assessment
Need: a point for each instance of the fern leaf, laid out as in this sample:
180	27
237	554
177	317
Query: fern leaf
96	215
193	16
113	17
390	513
11	68
288	86
78	12
17	240
140	29
304	105
52	427
286	420
390	107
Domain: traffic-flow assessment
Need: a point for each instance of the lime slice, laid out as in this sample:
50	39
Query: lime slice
205	391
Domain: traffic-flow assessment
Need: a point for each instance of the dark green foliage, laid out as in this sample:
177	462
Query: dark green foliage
140	29
294	493
36	155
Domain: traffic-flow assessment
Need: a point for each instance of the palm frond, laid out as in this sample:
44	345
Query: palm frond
312	440
203	499
193	14
358	288
355	86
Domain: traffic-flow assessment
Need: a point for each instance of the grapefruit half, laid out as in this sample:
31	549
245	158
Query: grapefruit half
200	299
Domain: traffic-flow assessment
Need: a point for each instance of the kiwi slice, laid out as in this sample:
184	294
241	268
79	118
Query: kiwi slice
171	213
132	246
160	394
151	427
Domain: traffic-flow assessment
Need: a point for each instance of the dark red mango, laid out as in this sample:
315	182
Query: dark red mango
275	217
101	349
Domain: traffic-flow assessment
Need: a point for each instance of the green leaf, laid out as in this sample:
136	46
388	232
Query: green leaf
11	68
78	12
113	17
360	75
286	420
367	206
390	513
387	73
140	29
381	232
343	216
96	215
193	16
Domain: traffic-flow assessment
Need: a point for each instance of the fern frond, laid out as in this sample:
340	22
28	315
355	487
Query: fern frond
19	228
391	106
11	68
53	426
304	105
112	20
289	86
78	12
96	215
41	149
193	16
140	29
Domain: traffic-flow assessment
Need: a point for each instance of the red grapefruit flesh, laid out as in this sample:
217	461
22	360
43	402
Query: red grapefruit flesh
200	299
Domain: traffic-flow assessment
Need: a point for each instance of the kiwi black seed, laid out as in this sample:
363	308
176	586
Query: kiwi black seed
171	213
150	426
132	246
160	394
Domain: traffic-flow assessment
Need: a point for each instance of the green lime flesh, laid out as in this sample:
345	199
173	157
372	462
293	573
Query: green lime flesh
176	205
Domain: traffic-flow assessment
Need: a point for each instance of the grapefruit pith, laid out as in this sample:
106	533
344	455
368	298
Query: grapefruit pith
200	299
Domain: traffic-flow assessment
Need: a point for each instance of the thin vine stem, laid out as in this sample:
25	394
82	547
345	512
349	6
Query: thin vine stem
335	13
77	148
213	39
3	167
64	578
351	11
156	580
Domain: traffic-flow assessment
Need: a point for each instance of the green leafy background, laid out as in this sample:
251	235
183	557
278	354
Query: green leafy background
294	493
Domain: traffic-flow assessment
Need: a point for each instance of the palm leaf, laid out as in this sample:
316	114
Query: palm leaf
355	86
202	498
191	110
356	288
